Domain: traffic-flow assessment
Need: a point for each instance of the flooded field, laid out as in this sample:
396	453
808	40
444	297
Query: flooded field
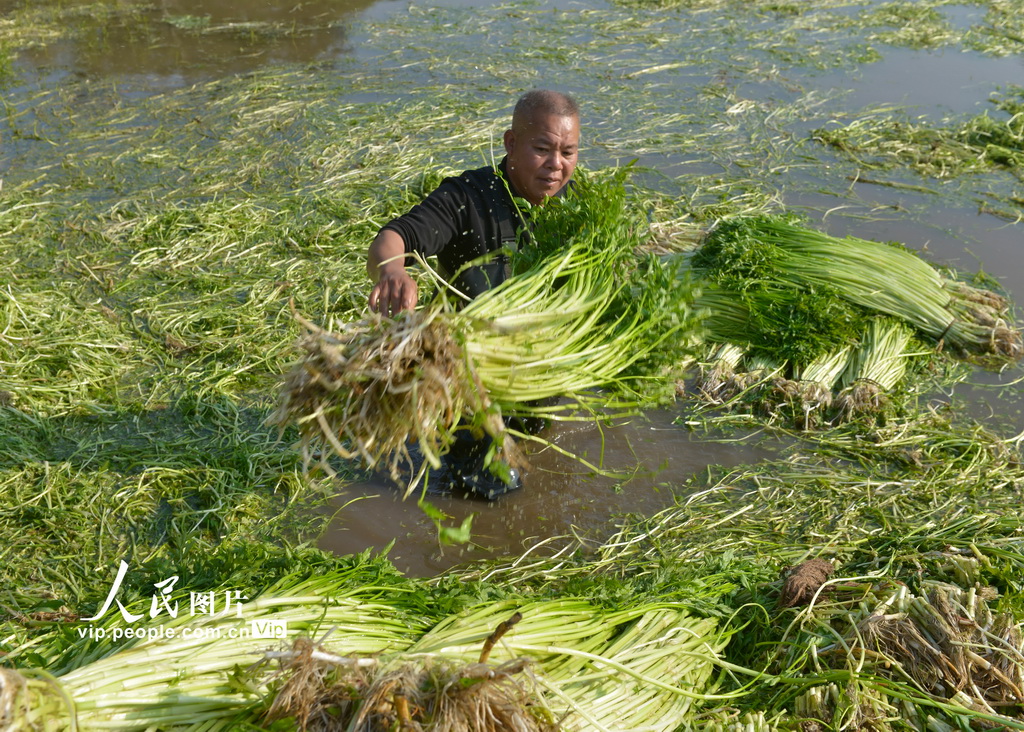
180	179
191	167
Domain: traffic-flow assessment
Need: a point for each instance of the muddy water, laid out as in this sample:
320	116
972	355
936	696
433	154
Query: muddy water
652	456
189	40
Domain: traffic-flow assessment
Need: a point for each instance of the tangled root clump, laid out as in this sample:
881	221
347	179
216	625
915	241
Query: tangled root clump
863	397
945	643
427	693
369	390
439	695
322	693
717	385
803	581
1007	342
986	298
953	647
814	395
32	704
319	690
987	312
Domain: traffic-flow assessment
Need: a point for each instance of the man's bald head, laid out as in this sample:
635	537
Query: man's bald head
543	102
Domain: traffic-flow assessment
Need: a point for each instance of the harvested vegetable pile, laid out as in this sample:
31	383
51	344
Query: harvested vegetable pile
558	664
944	643
814	321
584	311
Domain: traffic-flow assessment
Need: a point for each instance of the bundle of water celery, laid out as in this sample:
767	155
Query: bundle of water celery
583	311
832	321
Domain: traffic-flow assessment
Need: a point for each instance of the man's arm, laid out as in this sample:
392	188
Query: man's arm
385	263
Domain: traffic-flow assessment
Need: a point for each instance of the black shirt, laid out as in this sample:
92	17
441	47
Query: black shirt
465	217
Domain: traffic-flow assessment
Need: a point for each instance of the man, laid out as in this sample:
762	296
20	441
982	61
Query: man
473	214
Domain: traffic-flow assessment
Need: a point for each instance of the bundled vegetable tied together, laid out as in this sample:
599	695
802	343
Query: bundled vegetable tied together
583	311
557	665
759	256
877	366
351	660
821	321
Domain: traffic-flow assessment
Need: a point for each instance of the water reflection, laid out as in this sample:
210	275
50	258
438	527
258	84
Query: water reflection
936	83
188	40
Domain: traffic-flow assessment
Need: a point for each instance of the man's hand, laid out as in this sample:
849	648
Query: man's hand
395	290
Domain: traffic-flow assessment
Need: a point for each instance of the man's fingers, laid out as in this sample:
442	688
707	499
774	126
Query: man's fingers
380	300
391	298
376	300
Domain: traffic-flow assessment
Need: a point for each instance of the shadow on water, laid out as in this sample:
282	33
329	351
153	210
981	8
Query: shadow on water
560	496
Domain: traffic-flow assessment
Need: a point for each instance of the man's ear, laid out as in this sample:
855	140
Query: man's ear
510	141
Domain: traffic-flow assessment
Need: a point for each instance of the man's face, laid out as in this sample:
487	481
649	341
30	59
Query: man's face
542	155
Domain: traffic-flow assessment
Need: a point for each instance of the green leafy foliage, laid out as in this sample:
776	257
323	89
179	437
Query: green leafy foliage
652	300
799	325
450	535
735	255
596	209
783	320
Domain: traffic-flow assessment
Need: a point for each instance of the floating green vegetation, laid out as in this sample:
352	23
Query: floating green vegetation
980	143
858	27
909	24
6	65
989	144
190	22
775	9
1001	33
160	486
